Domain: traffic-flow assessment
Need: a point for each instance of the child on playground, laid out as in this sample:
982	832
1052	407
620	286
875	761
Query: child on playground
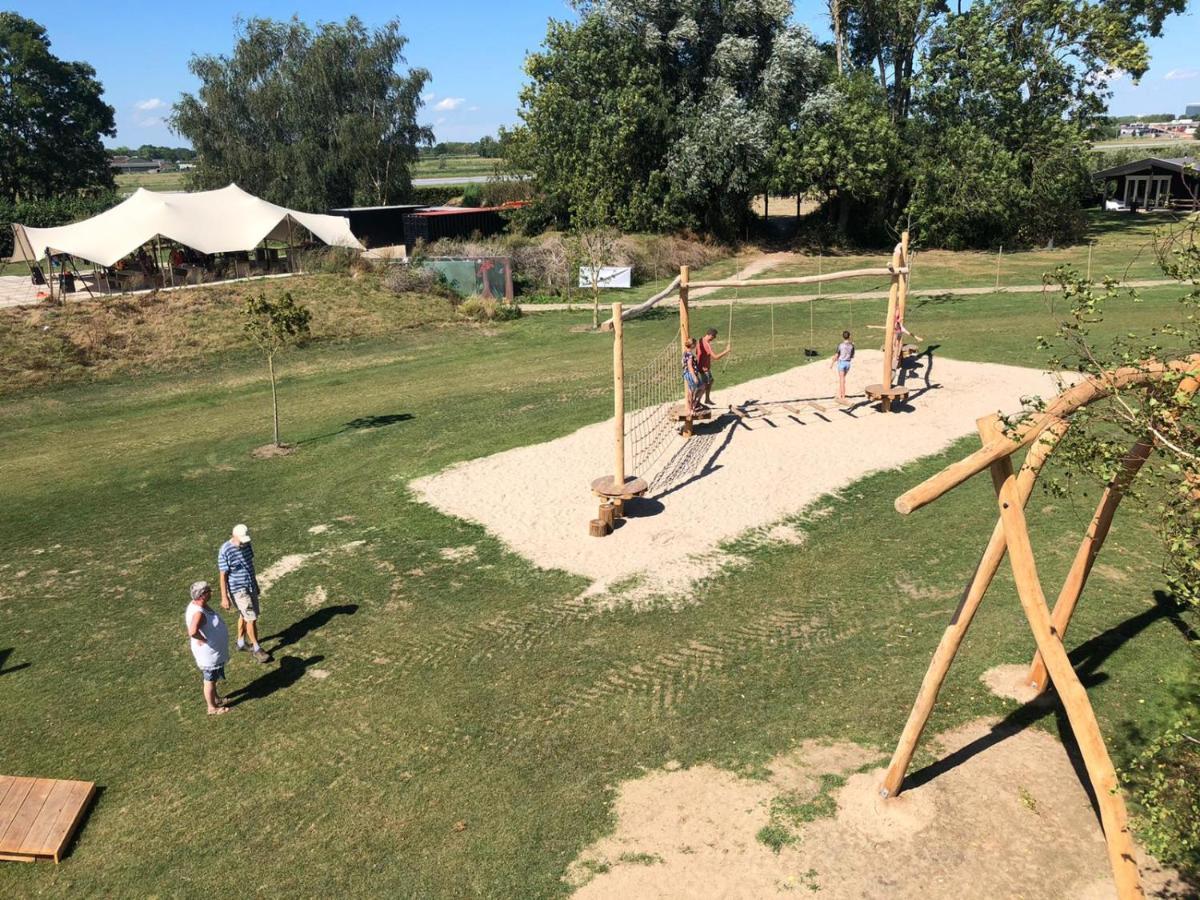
842	358
704	360
898	333
691	375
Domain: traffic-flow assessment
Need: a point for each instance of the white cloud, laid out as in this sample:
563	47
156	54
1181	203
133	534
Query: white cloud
149	105
1182	75
448	103
428	95
472	109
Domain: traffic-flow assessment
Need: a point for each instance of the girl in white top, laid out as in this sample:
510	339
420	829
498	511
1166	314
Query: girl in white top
209	640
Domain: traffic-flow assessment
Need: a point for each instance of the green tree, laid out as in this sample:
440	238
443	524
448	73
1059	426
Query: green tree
661	113
307	118
52	118
843	147
274	325
1167	414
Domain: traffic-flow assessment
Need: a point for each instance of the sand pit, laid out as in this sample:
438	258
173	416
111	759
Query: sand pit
1012	820
751	473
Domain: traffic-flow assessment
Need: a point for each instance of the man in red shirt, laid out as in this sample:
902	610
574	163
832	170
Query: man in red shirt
704	360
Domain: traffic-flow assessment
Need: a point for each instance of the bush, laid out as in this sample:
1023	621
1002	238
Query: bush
50	213
434	195
472	195
485	309
414	278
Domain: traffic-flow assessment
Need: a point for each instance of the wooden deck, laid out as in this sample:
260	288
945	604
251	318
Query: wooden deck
39	815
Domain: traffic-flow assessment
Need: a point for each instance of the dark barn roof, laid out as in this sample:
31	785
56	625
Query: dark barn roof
1129	168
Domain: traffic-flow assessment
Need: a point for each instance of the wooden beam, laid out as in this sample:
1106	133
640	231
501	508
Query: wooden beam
889	328
1087	391
618	394
972	596
1085	556
799	279
1071	692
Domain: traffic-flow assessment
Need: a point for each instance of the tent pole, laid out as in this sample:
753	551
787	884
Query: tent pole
158	260
49	275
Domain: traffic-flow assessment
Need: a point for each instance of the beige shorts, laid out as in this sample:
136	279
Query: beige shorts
247	605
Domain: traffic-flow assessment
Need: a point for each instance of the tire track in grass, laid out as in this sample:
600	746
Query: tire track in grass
669	678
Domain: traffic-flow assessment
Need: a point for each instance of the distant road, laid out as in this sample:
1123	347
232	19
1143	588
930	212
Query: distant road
1187	145
451	179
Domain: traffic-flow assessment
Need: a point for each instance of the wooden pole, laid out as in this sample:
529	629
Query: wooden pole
618	395
685	333
685	329
902	303
1071	692
890	327
952	637
1085	557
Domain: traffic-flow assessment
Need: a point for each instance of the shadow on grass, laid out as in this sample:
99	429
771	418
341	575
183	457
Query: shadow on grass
1087	659
4	654
300	629
287	672
363	423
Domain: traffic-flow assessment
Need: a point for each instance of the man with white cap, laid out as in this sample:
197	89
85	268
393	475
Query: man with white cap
209	639
235	559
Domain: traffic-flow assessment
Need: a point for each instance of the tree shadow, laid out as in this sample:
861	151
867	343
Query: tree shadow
362	423
4	654
1087	659
300	629
287	672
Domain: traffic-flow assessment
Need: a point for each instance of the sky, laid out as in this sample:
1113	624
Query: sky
473	49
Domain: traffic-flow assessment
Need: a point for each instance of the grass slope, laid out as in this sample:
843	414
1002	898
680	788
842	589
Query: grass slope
449	724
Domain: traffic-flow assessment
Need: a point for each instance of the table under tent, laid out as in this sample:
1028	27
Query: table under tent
161	240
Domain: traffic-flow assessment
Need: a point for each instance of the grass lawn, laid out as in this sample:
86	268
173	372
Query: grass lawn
1120	249
153	181
432	167
432	726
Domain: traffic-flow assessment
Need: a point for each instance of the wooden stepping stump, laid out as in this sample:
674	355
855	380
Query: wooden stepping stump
599	528
608	514
887	395
679	413
38	816
606	488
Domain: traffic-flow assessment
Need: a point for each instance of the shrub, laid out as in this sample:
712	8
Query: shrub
50	213
485	309
472	195
414	278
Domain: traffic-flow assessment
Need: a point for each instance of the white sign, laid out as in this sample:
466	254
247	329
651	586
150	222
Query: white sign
610	276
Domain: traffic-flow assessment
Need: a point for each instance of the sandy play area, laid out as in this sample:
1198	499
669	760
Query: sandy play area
752	473
1010	819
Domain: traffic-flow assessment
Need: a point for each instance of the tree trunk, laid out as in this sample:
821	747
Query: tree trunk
274	397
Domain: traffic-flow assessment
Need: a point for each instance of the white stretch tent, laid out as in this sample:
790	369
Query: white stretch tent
221	221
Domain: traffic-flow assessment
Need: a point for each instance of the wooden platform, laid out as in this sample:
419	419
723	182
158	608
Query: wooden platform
883	392
679	413
39	815
606	487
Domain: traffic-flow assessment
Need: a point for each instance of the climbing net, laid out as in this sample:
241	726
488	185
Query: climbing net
648	393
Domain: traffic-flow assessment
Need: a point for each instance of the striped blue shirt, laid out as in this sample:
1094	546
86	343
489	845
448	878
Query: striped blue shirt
238	561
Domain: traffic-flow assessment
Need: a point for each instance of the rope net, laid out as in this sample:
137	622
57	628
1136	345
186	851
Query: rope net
649	392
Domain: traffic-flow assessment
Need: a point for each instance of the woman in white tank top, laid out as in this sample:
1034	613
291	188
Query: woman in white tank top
209	640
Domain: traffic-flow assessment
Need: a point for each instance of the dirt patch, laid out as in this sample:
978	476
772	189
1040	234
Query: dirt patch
1112	573
318	529
284	566
758	472
1010	681
459	554
270	451
315	598
1009	820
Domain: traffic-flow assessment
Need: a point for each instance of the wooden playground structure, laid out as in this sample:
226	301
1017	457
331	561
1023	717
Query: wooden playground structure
617	488
38	816
1051	664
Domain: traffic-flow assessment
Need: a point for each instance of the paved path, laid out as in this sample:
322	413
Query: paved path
457	179
862	295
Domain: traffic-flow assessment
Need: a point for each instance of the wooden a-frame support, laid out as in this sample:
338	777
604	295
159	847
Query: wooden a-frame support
1051	663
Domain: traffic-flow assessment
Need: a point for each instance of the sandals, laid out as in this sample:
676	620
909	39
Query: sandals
218	711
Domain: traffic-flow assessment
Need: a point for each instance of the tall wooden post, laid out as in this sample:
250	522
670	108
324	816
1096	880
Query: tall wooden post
889	335
902	302
618	394
1071	692
685	327
1085	556
989	429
